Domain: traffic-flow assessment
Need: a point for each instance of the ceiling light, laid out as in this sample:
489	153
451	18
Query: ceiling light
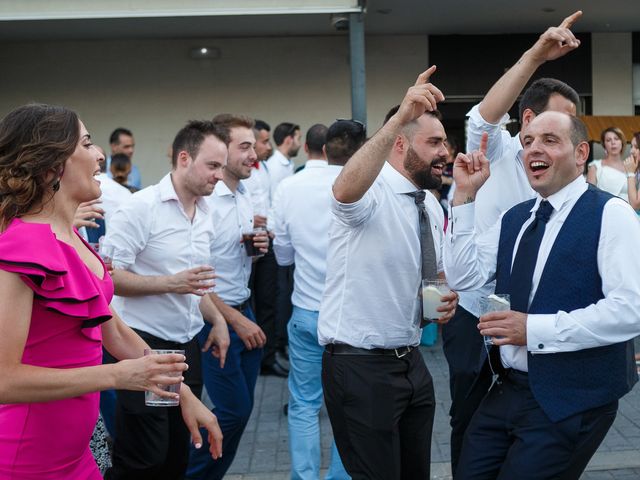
199	53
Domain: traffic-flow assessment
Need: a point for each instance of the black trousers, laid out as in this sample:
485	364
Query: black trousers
152	443
284	307
381	410
510	437
462	345
263	284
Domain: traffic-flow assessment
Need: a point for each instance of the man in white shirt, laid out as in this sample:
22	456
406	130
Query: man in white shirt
302	216
377	388
258	181
265	269
507	186
159	237
563	354
231	385
288	142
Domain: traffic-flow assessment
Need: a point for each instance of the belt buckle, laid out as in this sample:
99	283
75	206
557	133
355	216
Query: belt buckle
400	354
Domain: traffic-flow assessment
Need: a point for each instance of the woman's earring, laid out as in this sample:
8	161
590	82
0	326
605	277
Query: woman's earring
56	185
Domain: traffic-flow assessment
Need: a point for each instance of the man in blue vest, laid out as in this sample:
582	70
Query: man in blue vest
563	355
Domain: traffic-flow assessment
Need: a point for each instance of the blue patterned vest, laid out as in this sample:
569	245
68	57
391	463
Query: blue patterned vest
568	383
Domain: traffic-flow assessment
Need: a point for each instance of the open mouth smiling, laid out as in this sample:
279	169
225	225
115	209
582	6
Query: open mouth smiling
538	166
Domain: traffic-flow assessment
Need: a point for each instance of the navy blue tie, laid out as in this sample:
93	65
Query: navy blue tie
525	262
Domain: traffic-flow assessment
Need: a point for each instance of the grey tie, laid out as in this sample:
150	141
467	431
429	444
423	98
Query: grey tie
429	267
427	247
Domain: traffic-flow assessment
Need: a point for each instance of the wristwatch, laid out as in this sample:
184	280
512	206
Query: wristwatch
630	175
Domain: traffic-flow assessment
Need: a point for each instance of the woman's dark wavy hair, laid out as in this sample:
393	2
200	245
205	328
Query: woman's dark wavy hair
35	140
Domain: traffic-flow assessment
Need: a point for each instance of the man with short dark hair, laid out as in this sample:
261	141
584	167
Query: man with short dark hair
287	138
280	166
160	236
314	143
507	186
563	352
121	141
385	238
301	220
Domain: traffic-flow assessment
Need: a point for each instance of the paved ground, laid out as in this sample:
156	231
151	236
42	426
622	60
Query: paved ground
264	450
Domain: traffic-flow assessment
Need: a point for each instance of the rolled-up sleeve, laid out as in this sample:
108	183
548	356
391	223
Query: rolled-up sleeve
354	214
498	136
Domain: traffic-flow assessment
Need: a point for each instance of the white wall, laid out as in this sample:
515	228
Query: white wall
153	87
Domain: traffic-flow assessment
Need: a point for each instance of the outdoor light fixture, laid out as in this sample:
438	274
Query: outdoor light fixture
201	53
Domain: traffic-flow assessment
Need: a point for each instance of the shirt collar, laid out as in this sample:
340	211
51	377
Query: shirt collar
223	190
398	182
315	163
279	156
569	192
168	192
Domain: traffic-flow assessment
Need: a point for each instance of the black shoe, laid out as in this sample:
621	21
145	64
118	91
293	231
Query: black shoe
274	369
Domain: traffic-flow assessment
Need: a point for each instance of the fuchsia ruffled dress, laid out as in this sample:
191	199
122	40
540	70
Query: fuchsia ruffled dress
50	440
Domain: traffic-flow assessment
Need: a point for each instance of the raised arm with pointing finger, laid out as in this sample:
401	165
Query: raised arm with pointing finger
554	43
506	187
363	168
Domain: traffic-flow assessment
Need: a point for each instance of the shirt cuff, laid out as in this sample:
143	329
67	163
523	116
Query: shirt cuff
538	329
462	218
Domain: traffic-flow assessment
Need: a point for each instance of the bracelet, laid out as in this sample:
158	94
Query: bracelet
631	175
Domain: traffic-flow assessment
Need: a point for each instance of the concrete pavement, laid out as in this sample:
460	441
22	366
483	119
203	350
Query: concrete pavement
264	449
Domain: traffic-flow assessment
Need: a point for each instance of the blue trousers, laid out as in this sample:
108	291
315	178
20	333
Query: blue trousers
305	400
510	437
231	391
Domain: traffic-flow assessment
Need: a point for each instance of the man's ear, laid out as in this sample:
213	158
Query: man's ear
527	116
582	153
400	143
183	158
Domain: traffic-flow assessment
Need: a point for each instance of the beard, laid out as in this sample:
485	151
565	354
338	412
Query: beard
293	152
421	173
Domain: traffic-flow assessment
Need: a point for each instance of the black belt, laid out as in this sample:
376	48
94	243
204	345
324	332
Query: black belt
515	375
242	306
344	349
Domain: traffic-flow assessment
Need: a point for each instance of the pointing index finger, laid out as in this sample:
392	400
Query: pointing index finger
424	76
571	19
484	140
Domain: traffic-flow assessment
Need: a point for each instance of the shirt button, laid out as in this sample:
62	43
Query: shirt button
540	346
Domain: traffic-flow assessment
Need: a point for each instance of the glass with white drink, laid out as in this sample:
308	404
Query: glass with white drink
432	293
493	303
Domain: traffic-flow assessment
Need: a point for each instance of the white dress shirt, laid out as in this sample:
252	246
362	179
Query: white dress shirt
232	214
258	186
279	167
302	216
152	235
373	279
470	261
113	195
507	186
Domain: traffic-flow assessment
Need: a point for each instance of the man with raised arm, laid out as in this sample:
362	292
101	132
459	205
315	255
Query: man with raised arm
562	355
507	186
385	237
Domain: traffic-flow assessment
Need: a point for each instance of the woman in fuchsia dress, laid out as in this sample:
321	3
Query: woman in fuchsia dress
54	307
